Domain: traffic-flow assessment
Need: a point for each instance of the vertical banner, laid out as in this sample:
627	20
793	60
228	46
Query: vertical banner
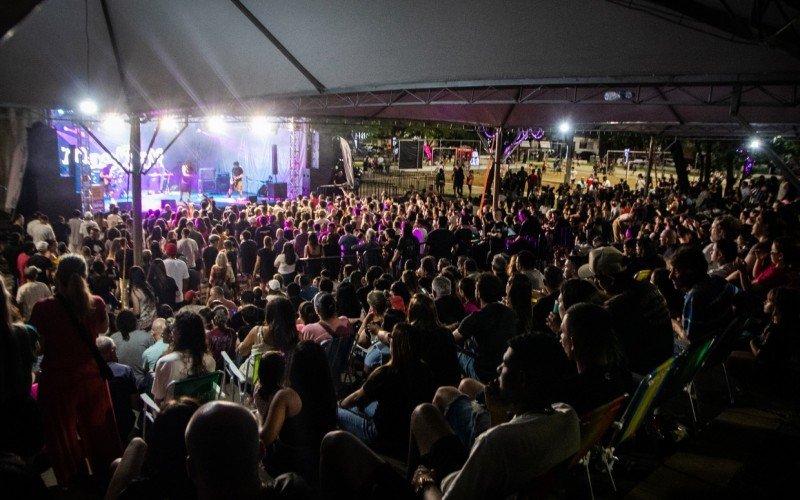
315	149
347	158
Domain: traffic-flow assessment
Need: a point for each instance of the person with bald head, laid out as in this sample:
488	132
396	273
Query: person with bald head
223	453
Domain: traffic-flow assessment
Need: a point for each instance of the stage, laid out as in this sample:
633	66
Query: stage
157	201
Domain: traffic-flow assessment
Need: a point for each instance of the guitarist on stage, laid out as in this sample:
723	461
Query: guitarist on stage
237	179
107	179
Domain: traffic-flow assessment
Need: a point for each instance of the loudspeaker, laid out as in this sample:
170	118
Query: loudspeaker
207	185
206	174
279	190
170	202
223	183
274	159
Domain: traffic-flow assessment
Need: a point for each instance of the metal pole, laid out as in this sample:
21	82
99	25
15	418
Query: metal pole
568	170
498	144
649	165
136	188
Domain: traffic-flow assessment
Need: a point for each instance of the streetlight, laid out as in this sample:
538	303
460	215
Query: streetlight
755	143
564	127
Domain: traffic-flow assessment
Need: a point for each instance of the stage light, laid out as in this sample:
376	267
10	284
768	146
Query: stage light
88	107
261	125
60	112
169	123
216	124
114	123
564	127
755	144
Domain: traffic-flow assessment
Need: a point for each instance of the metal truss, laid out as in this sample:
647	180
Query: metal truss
755	95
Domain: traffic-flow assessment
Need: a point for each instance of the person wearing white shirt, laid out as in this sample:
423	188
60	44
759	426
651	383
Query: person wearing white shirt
177	270
188	248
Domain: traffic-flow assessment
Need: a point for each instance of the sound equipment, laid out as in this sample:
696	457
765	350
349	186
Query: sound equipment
279	190
276	190
206	174
169	201
222	183
274	159
125	206
253	199
208	185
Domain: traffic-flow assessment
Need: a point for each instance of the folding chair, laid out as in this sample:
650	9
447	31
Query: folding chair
594	426
235	377
338	351
203	388
725	344
684	370
639	408
150	410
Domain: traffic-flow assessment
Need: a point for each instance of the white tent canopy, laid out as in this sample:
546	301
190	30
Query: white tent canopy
511	62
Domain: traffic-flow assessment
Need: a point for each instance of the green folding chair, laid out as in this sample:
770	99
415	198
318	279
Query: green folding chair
203	388
639	408
687	365
594	426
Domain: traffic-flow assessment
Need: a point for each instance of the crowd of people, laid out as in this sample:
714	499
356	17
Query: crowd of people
461	341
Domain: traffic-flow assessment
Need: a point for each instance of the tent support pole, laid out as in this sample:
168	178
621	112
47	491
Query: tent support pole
498	143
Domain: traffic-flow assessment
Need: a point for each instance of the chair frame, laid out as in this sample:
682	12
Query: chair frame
150	410
235	377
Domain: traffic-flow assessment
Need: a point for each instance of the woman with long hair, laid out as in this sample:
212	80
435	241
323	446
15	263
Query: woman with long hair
163	286
434	344
221	272
300	415
347	303
189	356
286	262
278	333
73	396
518	298
314	254
271	377
379	412
19	415
142	297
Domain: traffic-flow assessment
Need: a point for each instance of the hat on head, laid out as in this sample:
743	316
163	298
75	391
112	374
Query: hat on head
274	285
189	295
171	249
41	246
604	261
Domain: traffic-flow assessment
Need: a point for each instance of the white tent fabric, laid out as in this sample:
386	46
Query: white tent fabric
207	56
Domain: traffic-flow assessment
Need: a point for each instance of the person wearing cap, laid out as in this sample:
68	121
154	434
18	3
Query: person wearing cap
41	260
190	304
32	291
639	311
273	290
177	270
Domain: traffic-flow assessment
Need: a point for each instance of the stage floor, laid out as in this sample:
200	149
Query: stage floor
153	201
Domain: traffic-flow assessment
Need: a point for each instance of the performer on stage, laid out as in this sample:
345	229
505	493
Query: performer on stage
107	179
187	179
237	179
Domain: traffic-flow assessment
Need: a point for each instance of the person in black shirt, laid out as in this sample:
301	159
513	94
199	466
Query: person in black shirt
463	237
265	262
43	262
248	250
448	306
210	254
458	180
489	329
440	241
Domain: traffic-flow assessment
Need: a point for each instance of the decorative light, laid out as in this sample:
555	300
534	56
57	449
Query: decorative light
564	127
169	123
88	107
261	125
114	123
216	124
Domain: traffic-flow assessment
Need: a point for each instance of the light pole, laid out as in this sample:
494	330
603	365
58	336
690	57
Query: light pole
566	131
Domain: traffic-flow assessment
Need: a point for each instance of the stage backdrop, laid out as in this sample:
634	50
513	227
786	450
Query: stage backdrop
215	150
